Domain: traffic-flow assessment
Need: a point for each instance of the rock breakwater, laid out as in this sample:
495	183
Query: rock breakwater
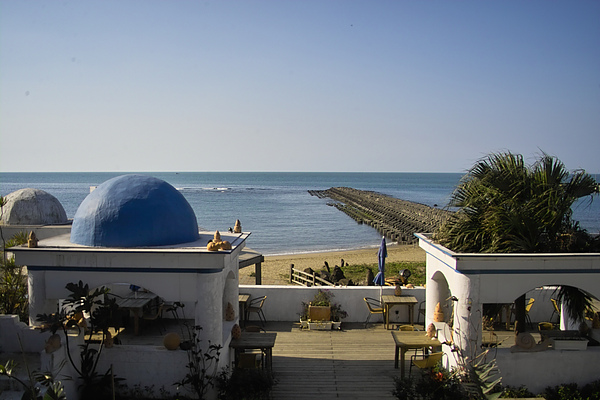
395	219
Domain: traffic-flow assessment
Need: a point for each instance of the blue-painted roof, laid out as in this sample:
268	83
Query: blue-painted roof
134	211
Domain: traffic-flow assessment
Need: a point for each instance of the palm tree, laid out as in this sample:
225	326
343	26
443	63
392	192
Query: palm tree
505	206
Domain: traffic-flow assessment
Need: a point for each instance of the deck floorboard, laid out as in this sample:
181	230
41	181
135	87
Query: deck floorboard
354	363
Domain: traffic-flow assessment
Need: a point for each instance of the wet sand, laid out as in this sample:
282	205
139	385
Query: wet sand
275	269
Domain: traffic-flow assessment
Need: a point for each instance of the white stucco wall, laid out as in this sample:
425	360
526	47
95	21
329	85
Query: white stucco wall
284	303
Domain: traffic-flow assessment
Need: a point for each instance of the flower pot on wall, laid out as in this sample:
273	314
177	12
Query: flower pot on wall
320	325
319	313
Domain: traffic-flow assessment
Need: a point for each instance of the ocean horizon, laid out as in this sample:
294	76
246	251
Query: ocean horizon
276	206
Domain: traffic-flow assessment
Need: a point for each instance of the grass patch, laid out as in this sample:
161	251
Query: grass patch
358	272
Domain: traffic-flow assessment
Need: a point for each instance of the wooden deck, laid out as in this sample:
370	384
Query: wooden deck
354	363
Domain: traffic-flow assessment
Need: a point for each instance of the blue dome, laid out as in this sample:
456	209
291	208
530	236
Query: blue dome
134	211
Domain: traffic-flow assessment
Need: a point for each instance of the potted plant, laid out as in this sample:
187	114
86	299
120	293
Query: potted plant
336	315
321	313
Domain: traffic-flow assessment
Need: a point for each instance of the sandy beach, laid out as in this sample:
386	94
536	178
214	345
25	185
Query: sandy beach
275	269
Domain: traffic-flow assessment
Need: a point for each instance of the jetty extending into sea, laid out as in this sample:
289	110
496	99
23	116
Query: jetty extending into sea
394	218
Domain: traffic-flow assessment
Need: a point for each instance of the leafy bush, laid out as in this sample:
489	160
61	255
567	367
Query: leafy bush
438	385
244	384
202	364
514	393
358	272
571	391
13	282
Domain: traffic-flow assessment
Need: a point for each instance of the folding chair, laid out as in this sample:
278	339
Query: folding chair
421	312
155	314
555	311
255	306
375	307
427	362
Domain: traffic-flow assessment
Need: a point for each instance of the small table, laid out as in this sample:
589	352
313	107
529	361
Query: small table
254	340
390	301
243	301
410	340
135	302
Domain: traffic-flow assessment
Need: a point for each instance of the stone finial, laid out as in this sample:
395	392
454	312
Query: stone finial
238	227
431	331
398	290
438	314
229	313
32	240
217	237
236	332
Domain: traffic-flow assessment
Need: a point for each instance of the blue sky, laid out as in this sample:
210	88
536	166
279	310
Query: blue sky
399	86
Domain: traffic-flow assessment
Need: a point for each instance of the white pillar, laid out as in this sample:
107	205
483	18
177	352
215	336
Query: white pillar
209	308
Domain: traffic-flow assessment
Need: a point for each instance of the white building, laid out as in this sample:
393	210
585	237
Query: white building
140	231
463	283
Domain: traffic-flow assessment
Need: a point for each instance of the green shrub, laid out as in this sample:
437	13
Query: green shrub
435	386
571	391
244	384
358	272
516	393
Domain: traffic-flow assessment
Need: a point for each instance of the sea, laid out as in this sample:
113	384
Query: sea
276	207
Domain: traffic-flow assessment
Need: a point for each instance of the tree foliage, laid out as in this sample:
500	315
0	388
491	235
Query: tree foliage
507	206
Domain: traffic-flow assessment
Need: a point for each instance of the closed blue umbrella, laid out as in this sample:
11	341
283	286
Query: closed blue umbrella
381	255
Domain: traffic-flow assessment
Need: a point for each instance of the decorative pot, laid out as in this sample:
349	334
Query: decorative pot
320	325
171	341
319	313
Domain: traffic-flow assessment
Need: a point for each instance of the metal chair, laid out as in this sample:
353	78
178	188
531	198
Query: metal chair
428	362
406	328
528	306
255	306
375	307
527	309
421	312
155	314
555	311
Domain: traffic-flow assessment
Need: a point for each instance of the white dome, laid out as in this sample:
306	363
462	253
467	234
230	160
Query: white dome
32	207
